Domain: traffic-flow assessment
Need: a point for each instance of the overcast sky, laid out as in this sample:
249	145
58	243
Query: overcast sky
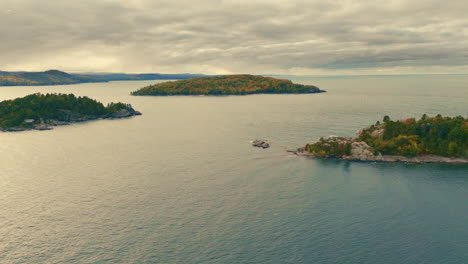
235	36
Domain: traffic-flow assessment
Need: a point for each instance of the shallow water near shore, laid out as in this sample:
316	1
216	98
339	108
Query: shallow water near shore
182	184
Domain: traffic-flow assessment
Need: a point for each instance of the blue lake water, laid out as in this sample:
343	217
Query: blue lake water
181	183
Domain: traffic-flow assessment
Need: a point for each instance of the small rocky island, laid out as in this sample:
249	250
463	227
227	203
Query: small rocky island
430	139
227	85
42	111
260	143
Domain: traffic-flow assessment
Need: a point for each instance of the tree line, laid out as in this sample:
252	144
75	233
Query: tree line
226	85
438	135
43	107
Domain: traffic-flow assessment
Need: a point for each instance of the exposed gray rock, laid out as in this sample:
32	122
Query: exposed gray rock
423	159
42	126
15	129
378	133
362	151
70	117
122	113
260	144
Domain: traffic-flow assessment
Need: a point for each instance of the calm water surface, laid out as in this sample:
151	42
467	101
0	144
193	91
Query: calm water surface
181	184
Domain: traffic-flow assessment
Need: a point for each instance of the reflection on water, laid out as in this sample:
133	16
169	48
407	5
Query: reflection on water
182	184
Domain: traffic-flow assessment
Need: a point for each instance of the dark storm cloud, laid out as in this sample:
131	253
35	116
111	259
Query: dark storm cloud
232	36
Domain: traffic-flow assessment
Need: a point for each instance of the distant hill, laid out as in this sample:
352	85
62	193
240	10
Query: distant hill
55	77
141	77
227	85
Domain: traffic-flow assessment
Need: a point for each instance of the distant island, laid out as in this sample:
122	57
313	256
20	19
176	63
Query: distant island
56	77
227	85
429	139
41	111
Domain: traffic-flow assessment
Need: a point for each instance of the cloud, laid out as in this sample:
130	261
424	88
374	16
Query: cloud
228	36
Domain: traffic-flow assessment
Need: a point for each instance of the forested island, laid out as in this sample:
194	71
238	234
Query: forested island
56	77
227	85
429	139
41	111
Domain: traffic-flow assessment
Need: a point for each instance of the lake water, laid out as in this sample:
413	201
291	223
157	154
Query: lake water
181	183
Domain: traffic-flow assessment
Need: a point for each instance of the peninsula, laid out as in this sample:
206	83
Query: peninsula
41	111
429	139
227	85
56	77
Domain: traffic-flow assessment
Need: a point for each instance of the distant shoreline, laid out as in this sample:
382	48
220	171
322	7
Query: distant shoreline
56	77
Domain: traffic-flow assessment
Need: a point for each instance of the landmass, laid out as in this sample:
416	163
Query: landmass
56	77
260	143
42	111
227	85
430	139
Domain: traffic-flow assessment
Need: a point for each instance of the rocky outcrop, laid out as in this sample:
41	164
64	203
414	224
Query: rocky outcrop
423	159
392	158
362	151
70	117
260	144
122	113
42	126
427	140
377	132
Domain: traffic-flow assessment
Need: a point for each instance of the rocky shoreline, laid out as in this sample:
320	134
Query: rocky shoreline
71	119
390	158
427	140
360	151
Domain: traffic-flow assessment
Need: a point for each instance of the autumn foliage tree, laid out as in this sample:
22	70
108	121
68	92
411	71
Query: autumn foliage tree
443	136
